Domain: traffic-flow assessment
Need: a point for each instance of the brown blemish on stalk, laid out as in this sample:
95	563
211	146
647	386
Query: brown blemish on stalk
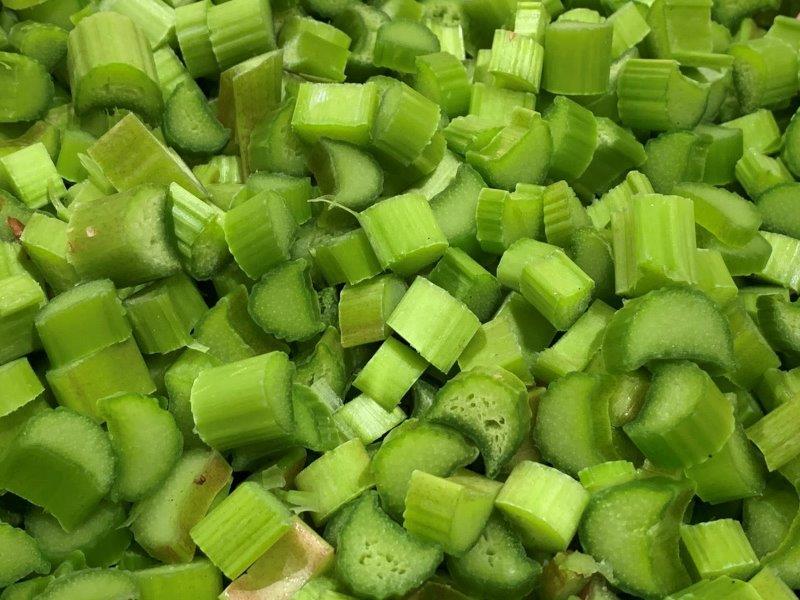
200	480
16	226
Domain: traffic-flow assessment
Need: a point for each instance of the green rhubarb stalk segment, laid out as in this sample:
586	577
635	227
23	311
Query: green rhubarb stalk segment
399	299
